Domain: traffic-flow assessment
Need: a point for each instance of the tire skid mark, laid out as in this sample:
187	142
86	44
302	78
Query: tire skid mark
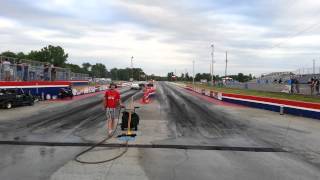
209	120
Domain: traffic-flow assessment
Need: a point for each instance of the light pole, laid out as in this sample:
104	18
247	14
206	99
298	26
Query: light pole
210	77
193	74
212	63
132	67
225	71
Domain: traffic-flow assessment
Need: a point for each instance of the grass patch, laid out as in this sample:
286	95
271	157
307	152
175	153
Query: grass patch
278	95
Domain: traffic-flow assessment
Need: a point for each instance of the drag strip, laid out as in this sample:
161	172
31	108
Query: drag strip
59	123
199	121
76	115
158	146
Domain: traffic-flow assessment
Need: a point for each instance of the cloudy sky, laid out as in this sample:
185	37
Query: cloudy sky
164	35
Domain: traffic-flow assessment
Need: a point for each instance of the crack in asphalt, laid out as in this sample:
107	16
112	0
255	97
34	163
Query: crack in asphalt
152	146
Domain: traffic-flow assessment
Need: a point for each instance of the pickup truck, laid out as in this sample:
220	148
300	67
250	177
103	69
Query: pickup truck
13	97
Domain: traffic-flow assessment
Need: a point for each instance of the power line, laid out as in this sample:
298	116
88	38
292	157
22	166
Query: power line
296	34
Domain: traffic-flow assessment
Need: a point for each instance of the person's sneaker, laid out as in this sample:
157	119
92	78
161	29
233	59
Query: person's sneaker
110	133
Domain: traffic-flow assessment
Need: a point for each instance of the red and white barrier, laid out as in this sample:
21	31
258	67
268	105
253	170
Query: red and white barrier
299	108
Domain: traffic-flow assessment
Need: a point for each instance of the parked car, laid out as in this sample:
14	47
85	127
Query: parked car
96	88
142	85
15	97
135	86
65	92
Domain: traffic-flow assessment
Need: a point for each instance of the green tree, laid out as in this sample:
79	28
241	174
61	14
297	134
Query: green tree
206	76
182	77
21	55
169	76
99	70
137	72
241	77
188	78
52	54
74	68
114	73
124	74
9	54
86	66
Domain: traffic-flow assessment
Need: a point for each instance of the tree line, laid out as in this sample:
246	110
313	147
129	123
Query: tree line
56	56
207	76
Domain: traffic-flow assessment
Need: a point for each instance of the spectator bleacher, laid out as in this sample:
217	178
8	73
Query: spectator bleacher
13	69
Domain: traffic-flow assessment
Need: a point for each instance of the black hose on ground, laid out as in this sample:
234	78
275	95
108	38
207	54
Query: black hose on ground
76	158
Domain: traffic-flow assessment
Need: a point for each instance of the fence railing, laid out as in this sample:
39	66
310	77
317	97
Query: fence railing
79	76
303	71
13	69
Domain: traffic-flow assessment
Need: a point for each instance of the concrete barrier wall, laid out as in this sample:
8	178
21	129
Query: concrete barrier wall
298	108
310	110
51	88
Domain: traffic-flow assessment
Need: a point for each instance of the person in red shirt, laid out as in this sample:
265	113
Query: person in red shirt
111	102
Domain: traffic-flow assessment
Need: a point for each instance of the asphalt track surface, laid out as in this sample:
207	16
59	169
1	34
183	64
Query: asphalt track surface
70	123
60	123
199	134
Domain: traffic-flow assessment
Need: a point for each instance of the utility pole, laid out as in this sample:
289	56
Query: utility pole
212	63
225	72
193	74
314	66
210	71
185	73
132	67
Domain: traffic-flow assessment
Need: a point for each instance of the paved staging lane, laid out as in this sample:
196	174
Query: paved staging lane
67	121
174	117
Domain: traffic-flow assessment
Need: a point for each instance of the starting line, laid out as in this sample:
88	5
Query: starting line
158	146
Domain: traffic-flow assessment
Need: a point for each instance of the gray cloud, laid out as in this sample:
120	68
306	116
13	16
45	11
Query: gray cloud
167	34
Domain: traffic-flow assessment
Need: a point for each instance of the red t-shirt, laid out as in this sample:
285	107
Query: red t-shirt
112	98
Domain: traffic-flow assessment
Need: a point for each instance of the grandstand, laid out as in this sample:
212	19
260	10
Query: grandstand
13	69
270	81
41	79
303	75
271	77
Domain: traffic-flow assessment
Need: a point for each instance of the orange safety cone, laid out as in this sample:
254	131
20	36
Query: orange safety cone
147	100
145	97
